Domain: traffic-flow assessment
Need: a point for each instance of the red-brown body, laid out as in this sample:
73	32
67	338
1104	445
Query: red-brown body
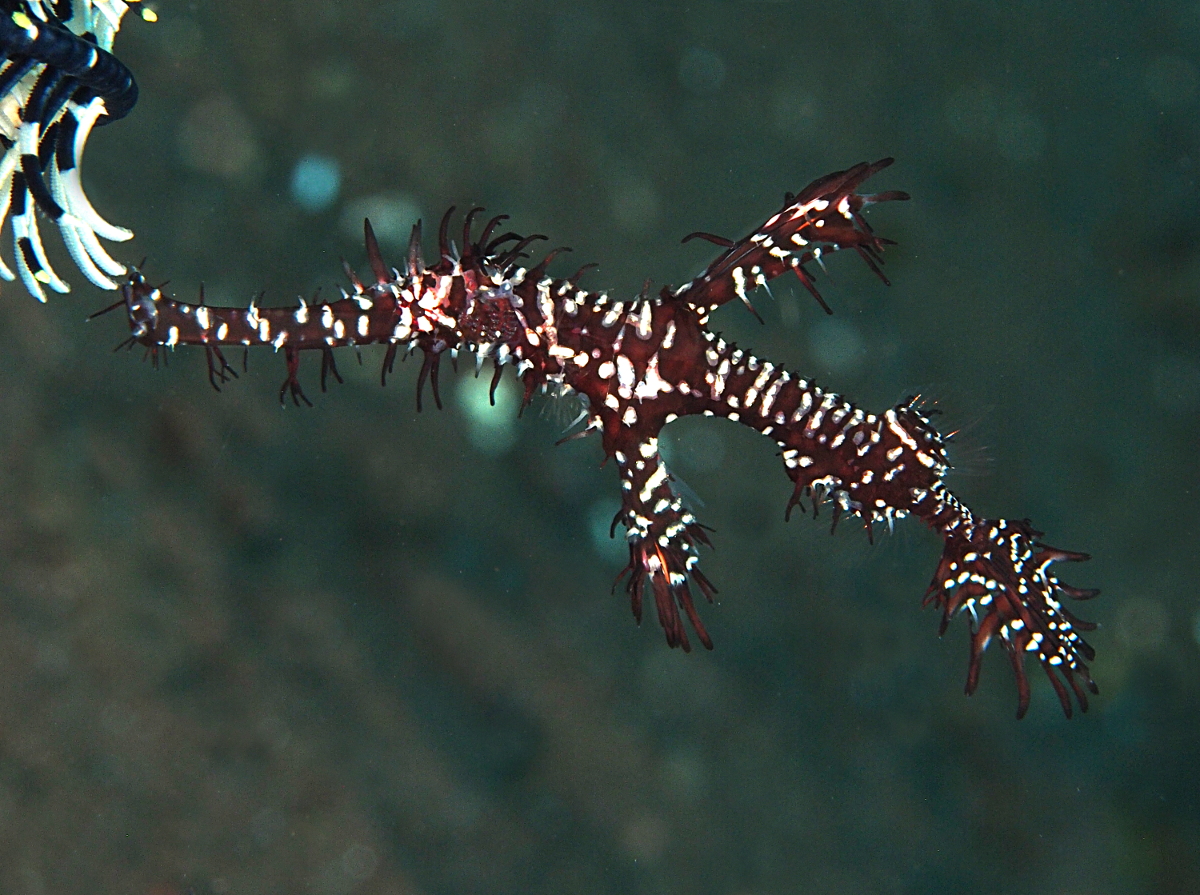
638	364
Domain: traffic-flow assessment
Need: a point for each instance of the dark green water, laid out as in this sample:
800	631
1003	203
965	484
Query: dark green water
356	650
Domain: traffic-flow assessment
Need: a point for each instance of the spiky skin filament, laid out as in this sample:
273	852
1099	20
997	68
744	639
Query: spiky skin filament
639	364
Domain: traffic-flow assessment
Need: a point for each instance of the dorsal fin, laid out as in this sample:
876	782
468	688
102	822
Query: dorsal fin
416	260
444	248
374	256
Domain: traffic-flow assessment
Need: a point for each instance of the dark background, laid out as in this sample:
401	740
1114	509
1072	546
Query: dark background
356	650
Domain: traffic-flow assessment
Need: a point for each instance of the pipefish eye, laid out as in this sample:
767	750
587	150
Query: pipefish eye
503	291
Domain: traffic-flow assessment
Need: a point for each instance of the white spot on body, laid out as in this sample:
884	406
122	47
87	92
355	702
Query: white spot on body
625	374
656	478
645	320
